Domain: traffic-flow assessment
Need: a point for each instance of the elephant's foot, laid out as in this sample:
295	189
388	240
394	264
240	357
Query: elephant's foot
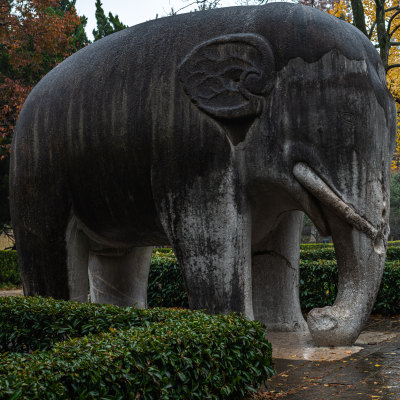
331	326
120	279
275	276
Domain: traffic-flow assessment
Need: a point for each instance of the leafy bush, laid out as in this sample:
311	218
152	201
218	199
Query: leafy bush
393	253
318	286
9	272
318	283
166	287
311	246
388	300
127	353
327	253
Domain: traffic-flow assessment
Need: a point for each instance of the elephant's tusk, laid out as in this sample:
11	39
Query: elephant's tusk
317	187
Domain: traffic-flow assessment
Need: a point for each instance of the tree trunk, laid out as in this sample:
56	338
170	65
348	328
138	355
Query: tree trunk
383	35
358	15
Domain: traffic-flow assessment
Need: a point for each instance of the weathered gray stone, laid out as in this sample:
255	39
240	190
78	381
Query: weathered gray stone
209	131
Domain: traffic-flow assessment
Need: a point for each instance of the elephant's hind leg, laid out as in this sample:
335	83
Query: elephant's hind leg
120	279
77	262
40	215
275	276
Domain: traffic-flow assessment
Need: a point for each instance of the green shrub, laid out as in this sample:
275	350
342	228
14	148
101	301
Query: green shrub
393	253
311	246
127	353
166	287
322	253
328	253
9	272
318	283
318	286
388	299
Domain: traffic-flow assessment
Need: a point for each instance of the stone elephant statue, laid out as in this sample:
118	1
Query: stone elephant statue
210	131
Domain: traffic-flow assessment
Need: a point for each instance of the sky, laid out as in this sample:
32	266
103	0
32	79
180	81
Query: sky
132	12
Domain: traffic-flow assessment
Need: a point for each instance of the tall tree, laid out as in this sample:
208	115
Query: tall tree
79	37
106	25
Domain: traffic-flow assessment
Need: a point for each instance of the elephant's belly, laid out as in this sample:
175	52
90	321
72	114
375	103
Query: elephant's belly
105	237
118	219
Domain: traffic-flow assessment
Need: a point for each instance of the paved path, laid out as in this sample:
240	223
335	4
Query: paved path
369	370
13	292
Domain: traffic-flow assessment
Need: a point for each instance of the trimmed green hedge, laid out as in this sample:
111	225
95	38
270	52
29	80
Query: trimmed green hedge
328	253
307	246
9	272
166	287
318	283
318	279
123	353
318	286
310	246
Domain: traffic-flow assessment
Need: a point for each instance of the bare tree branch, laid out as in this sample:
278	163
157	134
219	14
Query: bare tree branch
391	20
394	30
392	8
371	31
392	66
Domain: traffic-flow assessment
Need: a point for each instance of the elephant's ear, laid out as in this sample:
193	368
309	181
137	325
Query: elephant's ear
228	76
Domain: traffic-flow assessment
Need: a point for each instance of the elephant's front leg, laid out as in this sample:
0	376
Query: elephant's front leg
275	276
209	227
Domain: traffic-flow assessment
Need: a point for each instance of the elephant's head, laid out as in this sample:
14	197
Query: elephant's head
321	126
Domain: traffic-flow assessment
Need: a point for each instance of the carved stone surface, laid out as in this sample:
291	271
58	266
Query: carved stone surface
210	131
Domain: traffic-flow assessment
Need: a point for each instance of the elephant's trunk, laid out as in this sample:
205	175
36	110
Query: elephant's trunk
360	253
360	267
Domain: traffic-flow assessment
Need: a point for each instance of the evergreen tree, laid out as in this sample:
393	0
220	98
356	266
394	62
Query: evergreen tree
106	25
79	37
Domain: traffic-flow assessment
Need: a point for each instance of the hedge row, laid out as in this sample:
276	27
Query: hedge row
86	351
166	287
308	246
328	253
318	280
318	286
9	272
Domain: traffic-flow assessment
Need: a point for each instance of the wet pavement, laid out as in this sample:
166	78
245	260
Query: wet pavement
368	370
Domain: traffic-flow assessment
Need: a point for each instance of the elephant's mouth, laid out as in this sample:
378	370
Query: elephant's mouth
360	253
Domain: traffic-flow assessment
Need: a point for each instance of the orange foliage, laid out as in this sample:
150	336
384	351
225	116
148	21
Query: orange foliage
341	9
34	37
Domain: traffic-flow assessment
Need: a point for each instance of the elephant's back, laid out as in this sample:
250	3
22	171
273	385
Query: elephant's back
123	85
